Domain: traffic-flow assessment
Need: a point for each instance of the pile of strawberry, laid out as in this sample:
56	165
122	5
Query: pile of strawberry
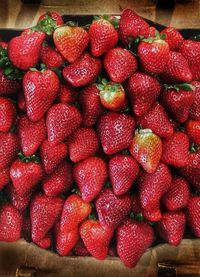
99	136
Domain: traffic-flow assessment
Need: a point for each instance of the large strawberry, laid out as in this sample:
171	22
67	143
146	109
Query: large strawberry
7	114
7	86
40	90
19	202
51	57
173	38
90	176
193	211
67	94
194	109
4	177
193	131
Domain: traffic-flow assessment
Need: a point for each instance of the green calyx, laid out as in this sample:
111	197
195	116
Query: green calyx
3	198
112	19
193	148
71	24
108	87
46	25
177	87
125	152
27	159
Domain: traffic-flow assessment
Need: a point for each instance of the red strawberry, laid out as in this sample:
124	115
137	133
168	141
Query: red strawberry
71	41
24	51
146	148
21	102
178	195
103	37
194	109
153	215
40	90
80	249
19	202
7	114
7	86
158	121
61	121
193	131
25	176
91	105
96	238
132	25
54	15
153	55
120	64
143	91
4	177
90	176
59	181
152	32
26	128
10	223
51	57
83	71
67	94
52	156
135	204
172	226
123	170
44	212
173	38
153	186
133	238
193	211
112	209
175	153
82	144
46	242
115	131
4	44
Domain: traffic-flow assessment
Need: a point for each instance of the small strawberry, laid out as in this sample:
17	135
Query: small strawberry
19	202
194	109
46	242
51	57
53	15
143	90
120	64
4	177
193	131
193	211
173	38
21	102
67	94
90	176
115	131
83	71
8	86
7	114
4	44
80	249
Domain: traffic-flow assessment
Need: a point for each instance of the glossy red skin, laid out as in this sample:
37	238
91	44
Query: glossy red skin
193	131
4	177
192	213
54	15
67	94
7	114
173	38
153	215
19	202
194	109
51	57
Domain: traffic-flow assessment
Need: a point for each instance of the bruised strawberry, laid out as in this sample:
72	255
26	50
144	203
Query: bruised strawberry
193	131
7	114
67	94
51	57
4	177
193	210
173	38
7	86
194	109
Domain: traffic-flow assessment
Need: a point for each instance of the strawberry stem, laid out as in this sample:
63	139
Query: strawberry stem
177	87
27	159
46	25
139	217
193	148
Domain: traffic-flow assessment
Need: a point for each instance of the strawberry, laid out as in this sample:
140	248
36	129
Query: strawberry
67	94
175	153
146	148
178	195
10	223
173	38
40	90
21	102
96	238
48	22
7	86
123	170
80	249
112	209
26	228
44	212
4	44
7	114
26	128
90	176
153	215
152	32
143	90
4	177
51	57
133	238
83	71
52	156
153	186
193	131
24	51
157	120
120	64
135	204
171	227
194	109
59	181
71	41
103	37
53	15
46	242
115	131
61	121
193	210
82	144
132	25
75	210
91	105
19	202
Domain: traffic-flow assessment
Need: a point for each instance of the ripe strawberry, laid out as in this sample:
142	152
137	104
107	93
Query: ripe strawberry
115	131
71	41
152	32
46	242
19	202
193	211
80	249
178	195
132	25
4	177
96	238
67	94
146	148
21	102
52	156
90	176
143	90
112	209
40	90
173	38
175	153
7	114
51	57
193	131
53	15
120	64
7	86
4	44
59	181
194	109
123	170
10	223
24	51
133	238
61	121
82	144
83	71
153	186
26	128
153	215
91	105
44	212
